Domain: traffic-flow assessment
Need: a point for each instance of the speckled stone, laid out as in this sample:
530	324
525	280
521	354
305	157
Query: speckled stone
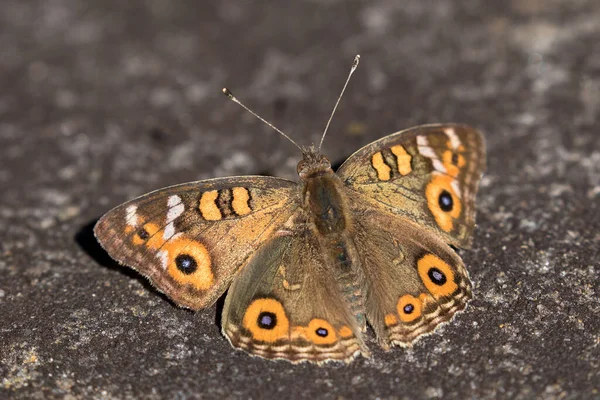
101	101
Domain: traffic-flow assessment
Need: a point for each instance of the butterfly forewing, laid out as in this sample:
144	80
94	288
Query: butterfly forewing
190	239
429	174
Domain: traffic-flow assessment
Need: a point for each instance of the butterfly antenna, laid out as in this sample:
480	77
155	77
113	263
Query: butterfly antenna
352	69
228	93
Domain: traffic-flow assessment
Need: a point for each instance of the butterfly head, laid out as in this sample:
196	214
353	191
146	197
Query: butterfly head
313	163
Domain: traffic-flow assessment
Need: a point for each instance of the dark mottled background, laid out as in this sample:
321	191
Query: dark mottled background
101	101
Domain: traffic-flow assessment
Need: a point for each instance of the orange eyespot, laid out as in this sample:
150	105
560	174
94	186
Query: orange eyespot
188	262
156	236
443	202
320	331
140	236
147	234
409	308
266	320
437	276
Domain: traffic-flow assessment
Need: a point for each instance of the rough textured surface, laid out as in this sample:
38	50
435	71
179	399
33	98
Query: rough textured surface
102	101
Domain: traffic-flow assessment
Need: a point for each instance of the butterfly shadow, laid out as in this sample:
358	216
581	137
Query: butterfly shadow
219	305
86	240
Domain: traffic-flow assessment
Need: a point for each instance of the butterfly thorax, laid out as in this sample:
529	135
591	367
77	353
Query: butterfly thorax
322	193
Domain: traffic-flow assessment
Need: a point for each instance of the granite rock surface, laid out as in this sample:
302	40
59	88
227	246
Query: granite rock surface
102	101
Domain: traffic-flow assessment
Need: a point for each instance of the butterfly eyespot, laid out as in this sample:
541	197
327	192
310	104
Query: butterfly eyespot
266	320
445	201
455	158
147	234
437	276
320	331
186	264
143	234
140	236
409	308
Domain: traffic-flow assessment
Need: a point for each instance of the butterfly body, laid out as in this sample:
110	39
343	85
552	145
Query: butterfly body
330	220
311	264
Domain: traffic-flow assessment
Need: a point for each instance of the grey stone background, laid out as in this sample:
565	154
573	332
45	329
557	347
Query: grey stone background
101	101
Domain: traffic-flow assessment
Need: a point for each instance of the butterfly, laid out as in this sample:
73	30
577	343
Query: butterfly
311	264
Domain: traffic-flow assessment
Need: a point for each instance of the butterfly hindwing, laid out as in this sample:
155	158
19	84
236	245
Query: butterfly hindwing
429	174
189	240
285	304
415	280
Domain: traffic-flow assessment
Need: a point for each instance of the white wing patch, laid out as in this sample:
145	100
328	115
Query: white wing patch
163	255
456	187
454	140
176	208
427	151
131	218
424	148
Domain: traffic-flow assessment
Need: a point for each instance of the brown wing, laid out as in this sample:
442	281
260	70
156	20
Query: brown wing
285	304
189	240
429	174
415	280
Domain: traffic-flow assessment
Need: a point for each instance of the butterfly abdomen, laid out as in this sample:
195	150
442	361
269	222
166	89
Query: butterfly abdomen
350	277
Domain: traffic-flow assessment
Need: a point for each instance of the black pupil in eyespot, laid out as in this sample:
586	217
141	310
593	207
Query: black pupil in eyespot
322	332
143	234
445	201
267	320
186	263
455	158
436	276
409	308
